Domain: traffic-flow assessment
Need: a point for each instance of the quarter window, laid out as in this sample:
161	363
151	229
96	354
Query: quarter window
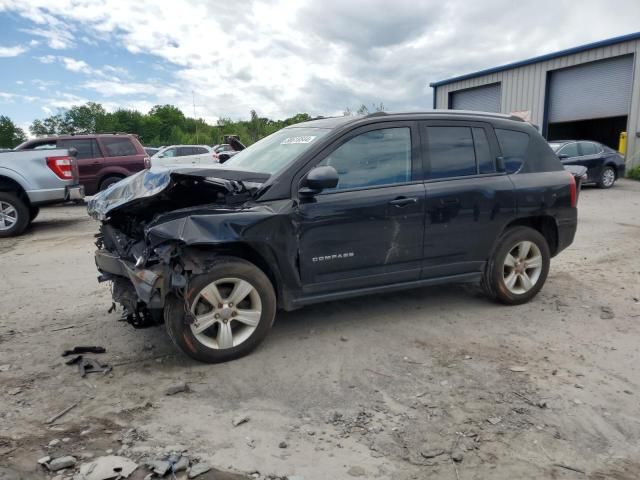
588	148
378	157
118	147
514	146
451	152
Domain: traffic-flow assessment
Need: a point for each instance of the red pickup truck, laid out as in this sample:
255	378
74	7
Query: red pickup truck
103	159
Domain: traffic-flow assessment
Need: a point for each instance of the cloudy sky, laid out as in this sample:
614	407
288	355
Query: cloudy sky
278	57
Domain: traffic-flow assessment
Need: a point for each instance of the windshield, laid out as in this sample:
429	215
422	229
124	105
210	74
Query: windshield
555	146
276	151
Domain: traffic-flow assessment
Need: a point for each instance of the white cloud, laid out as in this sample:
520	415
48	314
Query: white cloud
19	82
12	51
47	59
75	65
287	56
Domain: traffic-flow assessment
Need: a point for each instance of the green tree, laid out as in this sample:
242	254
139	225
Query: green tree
169	118
88	118
10	134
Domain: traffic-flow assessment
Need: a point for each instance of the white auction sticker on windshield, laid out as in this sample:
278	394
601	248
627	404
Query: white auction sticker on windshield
292	140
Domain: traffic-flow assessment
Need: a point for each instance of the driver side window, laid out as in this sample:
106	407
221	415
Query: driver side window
171	152
378	157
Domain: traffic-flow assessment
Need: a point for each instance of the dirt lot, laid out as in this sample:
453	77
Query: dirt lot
391	386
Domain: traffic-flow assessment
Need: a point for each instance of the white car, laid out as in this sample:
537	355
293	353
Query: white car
184	155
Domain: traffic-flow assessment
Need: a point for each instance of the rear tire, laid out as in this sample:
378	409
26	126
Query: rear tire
107	182
220	330
33	213
518	267
608	177
14	215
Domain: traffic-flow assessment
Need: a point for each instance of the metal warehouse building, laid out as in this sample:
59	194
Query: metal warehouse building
587	92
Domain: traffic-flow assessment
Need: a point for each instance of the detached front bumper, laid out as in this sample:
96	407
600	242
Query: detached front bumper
150	284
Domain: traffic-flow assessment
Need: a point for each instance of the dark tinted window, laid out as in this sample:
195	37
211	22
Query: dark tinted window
589	148
570	150
514	147
451	152
184	151
87	148
379	157
200	150
118	147
484	158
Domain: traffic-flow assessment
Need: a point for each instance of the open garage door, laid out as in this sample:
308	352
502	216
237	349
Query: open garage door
483	99
591	101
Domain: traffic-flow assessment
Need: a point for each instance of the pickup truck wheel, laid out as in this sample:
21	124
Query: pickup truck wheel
107	182
230	311
14	215
519	266
607	177
33	213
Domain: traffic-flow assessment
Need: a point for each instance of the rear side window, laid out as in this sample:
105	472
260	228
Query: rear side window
87	148
451	152
588	148
185	151
118	147
514	146
378	157
570	150
200	150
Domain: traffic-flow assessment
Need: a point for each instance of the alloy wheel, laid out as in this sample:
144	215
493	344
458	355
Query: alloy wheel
227	312
522	267
608	177
8	215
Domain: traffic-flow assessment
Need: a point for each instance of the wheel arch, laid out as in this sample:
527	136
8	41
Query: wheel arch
546	225
111	173
260	256
8	184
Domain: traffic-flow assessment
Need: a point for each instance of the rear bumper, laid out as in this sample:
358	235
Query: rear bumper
75	192
56	195
567	227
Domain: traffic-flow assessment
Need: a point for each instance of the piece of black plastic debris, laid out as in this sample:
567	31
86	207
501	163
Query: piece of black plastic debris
84	349
89	365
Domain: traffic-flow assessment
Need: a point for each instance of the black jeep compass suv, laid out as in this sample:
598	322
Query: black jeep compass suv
333	208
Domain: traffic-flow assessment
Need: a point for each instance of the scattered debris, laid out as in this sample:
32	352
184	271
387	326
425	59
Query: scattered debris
181	464
628	392
44	460
84	349
579	385
107	467
517	368
569	467
61	462
239	420
62	328
62	413
577	401
177	388
5	367
199	469
468	357
606	313
457	455
283	444
344	339
378	373
159	467
89	365
539	404
54	442
14	391
494	420
433	453
357	472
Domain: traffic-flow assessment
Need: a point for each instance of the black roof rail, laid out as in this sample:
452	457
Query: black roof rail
376	114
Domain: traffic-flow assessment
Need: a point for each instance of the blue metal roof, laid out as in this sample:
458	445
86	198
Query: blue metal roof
541	58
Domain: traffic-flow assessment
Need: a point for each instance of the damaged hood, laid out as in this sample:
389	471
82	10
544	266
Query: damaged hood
147	185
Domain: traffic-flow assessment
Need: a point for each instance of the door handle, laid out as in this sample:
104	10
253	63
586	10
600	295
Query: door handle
449	202
403	201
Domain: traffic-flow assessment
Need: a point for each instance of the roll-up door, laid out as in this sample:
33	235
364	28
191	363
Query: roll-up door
483	99
593	90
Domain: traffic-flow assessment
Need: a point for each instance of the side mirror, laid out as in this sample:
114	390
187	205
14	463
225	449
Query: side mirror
500	164
319	179
73	152
563	156
161	155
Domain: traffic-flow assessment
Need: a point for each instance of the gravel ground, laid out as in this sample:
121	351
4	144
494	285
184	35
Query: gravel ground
428	383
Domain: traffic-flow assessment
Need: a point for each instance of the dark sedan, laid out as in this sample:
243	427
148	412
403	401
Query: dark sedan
604	165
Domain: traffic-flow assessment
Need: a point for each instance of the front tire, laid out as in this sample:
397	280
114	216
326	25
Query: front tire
231	309
519	266
607	177
14	215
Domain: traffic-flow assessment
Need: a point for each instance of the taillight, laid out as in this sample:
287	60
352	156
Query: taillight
147	162
61	166
574	191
